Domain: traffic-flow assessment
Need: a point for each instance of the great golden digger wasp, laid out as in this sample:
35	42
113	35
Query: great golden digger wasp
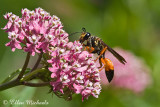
96	45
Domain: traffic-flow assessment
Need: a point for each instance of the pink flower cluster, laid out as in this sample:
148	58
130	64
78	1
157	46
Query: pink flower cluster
74	71
134	75
35	31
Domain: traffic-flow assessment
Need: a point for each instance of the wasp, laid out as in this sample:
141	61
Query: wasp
97	46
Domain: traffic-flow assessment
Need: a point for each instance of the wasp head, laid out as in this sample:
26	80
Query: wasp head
84	35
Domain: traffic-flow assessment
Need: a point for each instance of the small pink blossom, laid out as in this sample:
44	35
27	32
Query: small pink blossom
134	75
13	43
7	15
78	88
32	48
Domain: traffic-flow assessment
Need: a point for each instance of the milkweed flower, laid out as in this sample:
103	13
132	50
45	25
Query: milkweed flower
73	70
134	75
35	30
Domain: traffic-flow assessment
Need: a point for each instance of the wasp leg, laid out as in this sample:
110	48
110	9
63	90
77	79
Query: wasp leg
89	49
109	68
84	44
84	47
100	62
101	53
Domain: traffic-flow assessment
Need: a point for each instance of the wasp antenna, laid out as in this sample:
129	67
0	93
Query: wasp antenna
74	33
84	29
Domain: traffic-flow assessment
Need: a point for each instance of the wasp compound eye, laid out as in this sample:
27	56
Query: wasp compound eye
88	34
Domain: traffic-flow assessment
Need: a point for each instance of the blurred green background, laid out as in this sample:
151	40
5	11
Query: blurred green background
131	24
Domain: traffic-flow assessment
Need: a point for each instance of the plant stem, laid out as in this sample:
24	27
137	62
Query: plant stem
24	66
22	80
10	84
37	63
17	82
36	84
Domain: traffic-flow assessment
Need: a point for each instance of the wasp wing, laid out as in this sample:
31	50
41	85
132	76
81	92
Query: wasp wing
119	57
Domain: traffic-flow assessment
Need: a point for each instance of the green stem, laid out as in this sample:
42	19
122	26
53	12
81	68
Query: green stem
36	84
17	82
37	63
24	66
10	84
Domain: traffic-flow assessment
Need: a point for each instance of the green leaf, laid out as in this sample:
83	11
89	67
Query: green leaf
27	77
12	75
